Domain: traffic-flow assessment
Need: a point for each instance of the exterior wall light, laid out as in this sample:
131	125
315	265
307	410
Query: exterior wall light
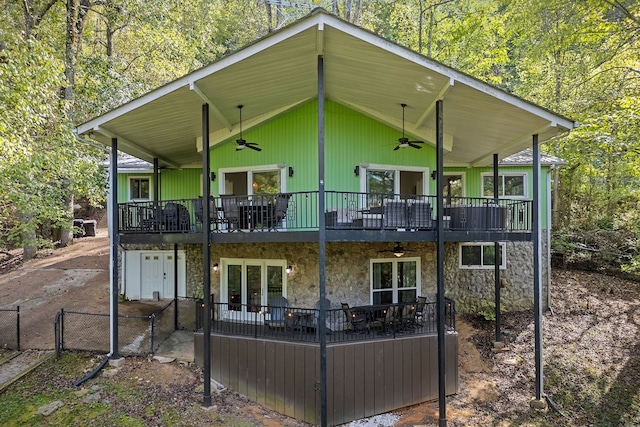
290	171
356	170
215	267
289	269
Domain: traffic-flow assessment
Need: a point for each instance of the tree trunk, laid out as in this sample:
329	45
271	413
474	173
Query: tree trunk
29	246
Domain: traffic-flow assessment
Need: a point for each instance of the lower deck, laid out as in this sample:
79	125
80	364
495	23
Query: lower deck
363	377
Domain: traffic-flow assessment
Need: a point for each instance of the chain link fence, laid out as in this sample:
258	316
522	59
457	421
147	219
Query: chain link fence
10	328
137	335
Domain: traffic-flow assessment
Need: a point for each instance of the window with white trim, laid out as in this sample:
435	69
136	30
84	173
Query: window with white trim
509	185
481	256
395	280
384	181
139	188
264	179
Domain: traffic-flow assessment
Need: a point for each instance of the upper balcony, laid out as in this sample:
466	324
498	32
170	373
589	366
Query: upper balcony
348	216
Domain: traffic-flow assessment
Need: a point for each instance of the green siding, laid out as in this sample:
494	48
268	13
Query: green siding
353	138
291	139
180	184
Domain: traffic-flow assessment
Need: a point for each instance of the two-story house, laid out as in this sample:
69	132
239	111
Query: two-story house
323	162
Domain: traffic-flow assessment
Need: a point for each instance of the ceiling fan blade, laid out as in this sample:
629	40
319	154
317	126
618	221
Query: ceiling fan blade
397	147
415	142
411	144
253	146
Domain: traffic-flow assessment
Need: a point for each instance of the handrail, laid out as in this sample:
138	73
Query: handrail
298	211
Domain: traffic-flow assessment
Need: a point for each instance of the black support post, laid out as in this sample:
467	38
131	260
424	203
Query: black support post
175	286
442	380
496	201
322	247
113	186
206	258
157	209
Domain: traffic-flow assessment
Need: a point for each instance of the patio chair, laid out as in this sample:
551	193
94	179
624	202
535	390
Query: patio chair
279	211
176	217
420	304
390	319
276	309
355	322
408	316
231	211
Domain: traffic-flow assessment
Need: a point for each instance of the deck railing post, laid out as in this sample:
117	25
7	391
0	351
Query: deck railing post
153	321
18	326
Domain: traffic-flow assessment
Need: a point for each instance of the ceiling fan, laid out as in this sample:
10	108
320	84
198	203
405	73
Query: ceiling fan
241	144
404	141
398	250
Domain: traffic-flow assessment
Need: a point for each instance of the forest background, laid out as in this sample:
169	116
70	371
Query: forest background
63	62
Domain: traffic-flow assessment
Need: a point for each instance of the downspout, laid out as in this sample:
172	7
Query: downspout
537	294
496	247
549	224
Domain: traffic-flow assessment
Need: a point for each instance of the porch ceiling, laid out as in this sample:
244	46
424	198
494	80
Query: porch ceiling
369	74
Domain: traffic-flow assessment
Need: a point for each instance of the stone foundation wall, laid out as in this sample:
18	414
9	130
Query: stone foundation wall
348	269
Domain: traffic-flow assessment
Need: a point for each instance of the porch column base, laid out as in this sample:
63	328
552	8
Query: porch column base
538	404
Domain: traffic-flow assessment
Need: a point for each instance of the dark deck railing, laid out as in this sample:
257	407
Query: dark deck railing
301	324
343	211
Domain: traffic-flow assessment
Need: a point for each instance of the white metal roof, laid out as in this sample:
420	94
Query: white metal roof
362	71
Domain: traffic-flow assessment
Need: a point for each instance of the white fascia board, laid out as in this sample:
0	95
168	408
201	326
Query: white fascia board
457	76
193	77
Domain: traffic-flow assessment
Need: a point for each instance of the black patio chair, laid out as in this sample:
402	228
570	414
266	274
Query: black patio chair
354	321
277	311
420	304
231	211
279	211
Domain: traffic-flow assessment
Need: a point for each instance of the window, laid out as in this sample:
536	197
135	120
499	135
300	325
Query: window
138	188
509	185
242	182
481	255
390	180
395	280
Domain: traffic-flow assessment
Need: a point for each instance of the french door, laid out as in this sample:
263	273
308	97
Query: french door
246	285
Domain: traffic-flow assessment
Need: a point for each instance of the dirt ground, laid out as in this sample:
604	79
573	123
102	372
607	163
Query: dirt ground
590	311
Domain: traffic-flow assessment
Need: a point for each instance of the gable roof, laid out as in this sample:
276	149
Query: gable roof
362	71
